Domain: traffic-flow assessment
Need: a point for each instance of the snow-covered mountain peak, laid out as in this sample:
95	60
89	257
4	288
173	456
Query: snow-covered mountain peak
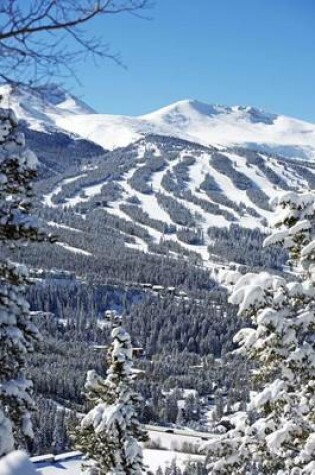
41	106
52	108
254	115
237	125
53	94
203	124
187	111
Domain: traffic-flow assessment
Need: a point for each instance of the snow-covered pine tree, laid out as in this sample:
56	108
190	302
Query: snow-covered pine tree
295	230
110	433
293	224
17	463
6	435
17	332
276	435
58	436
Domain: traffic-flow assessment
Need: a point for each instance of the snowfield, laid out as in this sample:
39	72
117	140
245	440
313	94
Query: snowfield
189	129
191	120
42	109
200	123
234	204
70	464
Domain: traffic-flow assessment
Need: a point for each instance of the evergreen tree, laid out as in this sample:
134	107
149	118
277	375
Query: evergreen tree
17	463
17	332
276	435
58	442
174	468
109	434
6	435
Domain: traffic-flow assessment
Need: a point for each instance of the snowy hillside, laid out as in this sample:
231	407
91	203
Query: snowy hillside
177	193
173	180
203	124
42	107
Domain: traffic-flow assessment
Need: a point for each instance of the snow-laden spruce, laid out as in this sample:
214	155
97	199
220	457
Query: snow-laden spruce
17	332
110	433
294	222
17	463
276	434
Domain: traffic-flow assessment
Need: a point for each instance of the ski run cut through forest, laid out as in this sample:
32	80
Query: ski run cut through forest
157	289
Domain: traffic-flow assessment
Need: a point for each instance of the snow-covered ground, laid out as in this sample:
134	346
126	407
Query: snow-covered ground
76	250
187	119
41	109
201	123
16	463
196	173
70	464
63	226
48	199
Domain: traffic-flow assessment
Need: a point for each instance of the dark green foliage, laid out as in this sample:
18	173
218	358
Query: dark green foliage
179	214
256	158
140	179
136	212
59	151
244	246
210	207
224	165
193	237
259	198
209	184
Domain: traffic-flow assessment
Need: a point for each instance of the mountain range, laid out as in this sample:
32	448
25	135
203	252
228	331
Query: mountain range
147	211
52	107
172	181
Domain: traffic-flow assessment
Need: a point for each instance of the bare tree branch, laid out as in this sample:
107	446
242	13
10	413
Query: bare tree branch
46	38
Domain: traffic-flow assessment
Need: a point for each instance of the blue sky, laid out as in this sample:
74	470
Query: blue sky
246	52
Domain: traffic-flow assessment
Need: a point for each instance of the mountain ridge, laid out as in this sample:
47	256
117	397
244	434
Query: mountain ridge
40	107
164	190
189	119
206	125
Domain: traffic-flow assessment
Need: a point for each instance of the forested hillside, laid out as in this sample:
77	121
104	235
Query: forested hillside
147	230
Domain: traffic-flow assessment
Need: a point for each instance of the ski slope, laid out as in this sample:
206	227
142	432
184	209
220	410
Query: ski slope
234	205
